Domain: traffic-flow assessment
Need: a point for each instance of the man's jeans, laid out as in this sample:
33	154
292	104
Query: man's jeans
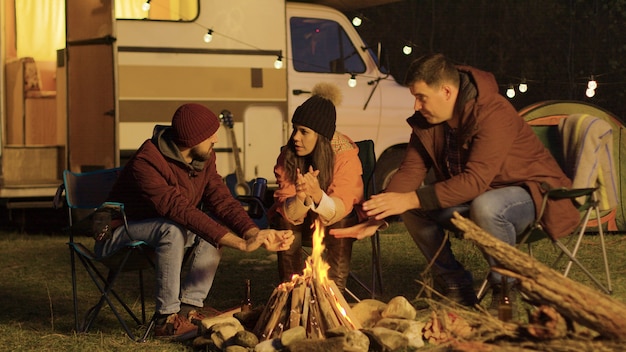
505	213
170	242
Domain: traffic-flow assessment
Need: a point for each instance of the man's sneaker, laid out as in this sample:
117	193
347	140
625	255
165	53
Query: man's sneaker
176	327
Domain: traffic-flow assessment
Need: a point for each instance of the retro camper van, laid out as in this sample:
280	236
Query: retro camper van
123	68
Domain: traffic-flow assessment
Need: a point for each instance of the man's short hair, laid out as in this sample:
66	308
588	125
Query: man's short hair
433	69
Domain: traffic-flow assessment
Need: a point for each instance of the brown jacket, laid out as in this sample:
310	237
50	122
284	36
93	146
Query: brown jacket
498	149
156	182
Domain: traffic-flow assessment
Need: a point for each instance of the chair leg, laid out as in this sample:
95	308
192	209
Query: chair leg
105	286
604	256
142	298
149	329
74	288
579	239
606	260
582	267
572	255
377	275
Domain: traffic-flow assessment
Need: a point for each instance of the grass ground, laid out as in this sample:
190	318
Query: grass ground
36	296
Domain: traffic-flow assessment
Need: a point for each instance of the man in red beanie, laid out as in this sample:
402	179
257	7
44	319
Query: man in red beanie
161	186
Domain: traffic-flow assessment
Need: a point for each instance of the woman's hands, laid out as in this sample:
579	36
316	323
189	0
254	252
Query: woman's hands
308	185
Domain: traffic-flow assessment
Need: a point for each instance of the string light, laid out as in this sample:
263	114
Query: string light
407	49
352	81
510	92
590	92
208	37
523	87
592	84
357	21
278	64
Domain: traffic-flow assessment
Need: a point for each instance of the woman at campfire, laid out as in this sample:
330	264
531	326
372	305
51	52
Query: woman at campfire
319	176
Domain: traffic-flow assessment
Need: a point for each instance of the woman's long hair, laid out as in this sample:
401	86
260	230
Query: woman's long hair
322	158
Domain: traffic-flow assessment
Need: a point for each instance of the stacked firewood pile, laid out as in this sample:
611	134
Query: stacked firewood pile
317	305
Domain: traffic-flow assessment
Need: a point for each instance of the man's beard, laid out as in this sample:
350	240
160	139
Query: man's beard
197	154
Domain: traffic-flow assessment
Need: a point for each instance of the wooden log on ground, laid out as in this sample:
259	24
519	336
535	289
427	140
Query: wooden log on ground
544	285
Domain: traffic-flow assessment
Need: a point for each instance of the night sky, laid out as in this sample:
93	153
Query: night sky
555	45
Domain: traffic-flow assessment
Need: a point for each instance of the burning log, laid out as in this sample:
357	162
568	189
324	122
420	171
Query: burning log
310	300
573	300
317	306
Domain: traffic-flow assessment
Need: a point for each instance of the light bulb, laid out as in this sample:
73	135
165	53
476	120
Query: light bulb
357	21
510	92
592	84
590	92
407	50
523	87
146	6
208	36
278	64
352	81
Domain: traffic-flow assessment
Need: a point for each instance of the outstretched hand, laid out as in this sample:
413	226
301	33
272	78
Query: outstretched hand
383	205
278	240
359	231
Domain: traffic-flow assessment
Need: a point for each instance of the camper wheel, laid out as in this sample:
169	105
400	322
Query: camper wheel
387	165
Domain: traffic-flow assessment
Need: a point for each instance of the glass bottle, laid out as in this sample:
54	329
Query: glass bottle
505	310
246	305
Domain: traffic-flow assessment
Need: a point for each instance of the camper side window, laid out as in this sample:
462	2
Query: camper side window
323	46
158	10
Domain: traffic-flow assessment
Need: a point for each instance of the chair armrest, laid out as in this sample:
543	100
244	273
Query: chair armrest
571	193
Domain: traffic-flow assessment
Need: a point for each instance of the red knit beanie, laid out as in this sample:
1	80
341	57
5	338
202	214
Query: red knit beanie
193	123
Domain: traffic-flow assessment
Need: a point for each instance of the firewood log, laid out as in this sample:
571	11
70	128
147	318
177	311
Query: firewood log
578	302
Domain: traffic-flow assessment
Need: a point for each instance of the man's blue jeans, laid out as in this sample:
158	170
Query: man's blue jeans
170	242
505	213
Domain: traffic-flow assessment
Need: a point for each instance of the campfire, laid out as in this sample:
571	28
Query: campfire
310	300
309	313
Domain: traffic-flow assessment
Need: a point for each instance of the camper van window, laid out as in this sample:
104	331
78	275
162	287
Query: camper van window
160	10
323	46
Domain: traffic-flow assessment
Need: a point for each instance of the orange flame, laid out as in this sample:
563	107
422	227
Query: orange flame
316	266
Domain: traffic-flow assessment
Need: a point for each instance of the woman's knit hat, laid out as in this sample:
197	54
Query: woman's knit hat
318	112
193	123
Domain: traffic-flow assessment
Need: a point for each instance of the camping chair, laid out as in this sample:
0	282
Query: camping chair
586	199
368	162
85	195
256	203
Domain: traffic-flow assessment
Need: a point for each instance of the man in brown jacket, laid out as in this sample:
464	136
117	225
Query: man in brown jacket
162	186
487	163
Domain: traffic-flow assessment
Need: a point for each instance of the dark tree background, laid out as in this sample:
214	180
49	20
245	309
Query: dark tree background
556	45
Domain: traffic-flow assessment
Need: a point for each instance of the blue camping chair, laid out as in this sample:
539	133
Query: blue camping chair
90	215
